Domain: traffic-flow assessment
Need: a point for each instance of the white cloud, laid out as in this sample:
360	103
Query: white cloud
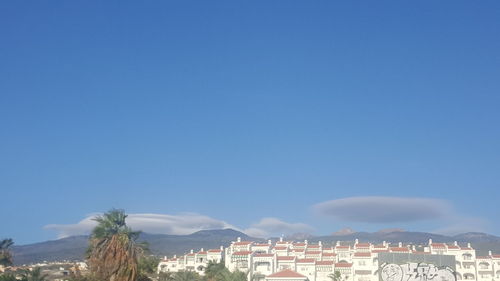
268	227
181	224
379	209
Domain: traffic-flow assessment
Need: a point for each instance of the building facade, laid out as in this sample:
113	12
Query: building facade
288	260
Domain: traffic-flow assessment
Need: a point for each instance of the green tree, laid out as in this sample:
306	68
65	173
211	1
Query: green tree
8	277
186	276
114	252
5	254
336	276
166	276
235	276
215	271
147	266
33	275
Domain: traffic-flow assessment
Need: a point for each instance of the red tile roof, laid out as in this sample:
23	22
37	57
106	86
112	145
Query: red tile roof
280	248
329	254
312	246
285	258
202	253
438	245
399	249
343	264
306	260
342	247
313	252
482	257
242	253
261	245
298	250
287	273
214	250
324	262
496	256
453	247
363	245
299	244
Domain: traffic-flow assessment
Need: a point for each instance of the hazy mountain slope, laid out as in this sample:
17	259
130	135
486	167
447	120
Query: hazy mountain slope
73	248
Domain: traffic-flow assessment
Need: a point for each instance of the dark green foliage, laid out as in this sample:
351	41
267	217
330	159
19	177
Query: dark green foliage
186	276
33	275
5	254
336	276
148	264
166	276
8	277
218	272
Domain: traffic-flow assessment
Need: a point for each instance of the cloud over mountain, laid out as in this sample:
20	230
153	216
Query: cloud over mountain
151	223
267	227
379	209
182	224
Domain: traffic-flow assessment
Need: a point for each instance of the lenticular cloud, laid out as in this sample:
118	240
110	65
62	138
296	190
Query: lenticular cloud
151	223
378	209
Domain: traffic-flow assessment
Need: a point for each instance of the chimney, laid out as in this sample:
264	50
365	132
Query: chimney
192	251
269	242
455	243
201	250
414	248
222	248
468	245
400	244
356	241
430	242
384	243
305	241
337	244
175	256
489	253
281	238
239	239
319	243
165	258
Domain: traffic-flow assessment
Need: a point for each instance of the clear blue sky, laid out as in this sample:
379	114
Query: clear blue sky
241	110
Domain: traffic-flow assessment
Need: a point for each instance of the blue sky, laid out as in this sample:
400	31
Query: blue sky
250	114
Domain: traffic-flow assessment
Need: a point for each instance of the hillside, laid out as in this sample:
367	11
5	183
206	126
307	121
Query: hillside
73	248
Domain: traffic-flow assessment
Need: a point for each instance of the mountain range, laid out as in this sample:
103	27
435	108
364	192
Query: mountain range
73	248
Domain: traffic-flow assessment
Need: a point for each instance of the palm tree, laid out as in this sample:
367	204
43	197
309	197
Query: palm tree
34	275
114	252
336	276
5	254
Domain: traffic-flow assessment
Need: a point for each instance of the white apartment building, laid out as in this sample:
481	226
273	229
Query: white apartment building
301	261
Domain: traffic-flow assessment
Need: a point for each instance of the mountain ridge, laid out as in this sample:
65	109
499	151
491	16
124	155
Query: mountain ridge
74	247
